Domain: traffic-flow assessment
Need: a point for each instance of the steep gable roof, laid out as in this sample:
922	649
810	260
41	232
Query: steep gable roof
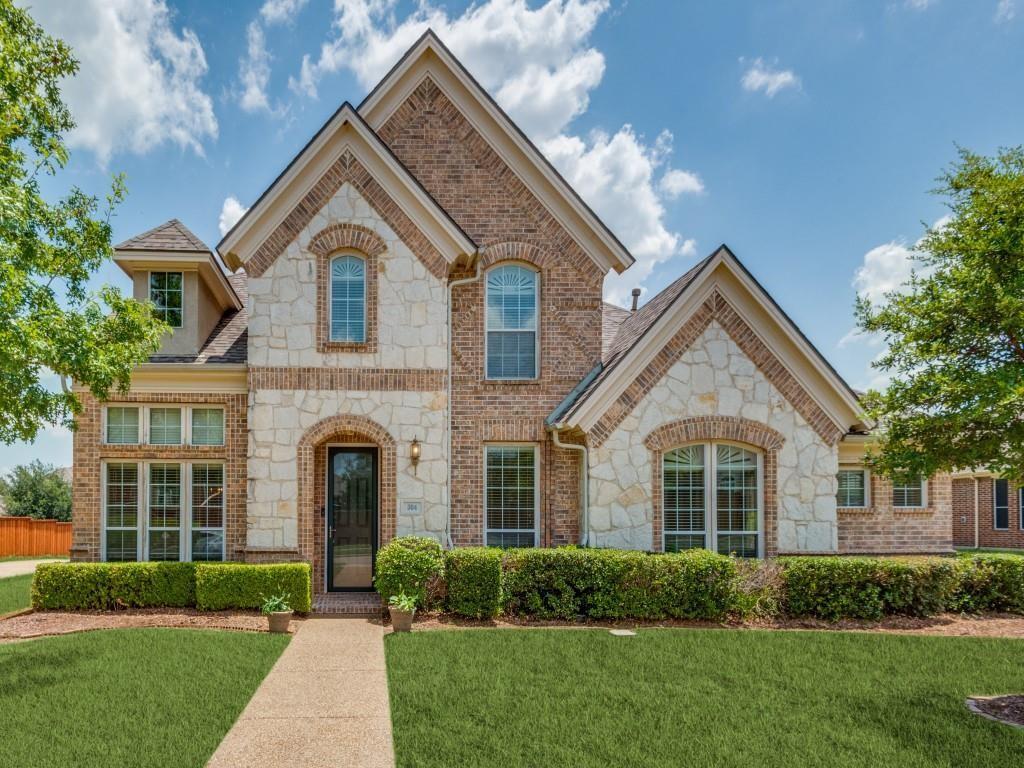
430	58
644	333
345	132
170	236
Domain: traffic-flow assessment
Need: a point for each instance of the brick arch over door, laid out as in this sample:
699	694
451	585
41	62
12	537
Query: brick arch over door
697	429
312	473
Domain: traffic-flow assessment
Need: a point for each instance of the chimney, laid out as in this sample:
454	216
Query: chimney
636	298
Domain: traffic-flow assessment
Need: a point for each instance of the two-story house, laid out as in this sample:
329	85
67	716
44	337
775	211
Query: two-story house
405	334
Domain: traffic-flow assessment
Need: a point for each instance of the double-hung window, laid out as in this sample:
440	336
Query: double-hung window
121	511
122	425
165	426
164	512
852	488
207	511
207	426
511	323
510	495
1001	504
909	492
348	299
166	293
711	498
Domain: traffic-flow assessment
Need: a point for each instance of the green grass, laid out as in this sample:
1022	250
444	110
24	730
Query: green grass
14	593
12	558
539	697
968	551
131	697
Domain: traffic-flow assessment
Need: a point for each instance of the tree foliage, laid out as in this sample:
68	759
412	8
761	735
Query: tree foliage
36	490
955	332
50	323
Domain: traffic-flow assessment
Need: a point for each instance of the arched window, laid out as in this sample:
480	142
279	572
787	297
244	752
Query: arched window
712	499
348	299
511	323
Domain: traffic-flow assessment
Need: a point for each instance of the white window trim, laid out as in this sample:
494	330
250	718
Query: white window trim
143	527
995	527
186	423
149	290
924	497
711	530
330	296
536	491
867	484
536	330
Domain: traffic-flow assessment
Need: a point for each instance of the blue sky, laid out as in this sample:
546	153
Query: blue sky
806	135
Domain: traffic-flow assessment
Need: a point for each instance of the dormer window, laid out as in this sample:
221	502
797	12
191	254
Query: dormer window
348	299
165	291
511	323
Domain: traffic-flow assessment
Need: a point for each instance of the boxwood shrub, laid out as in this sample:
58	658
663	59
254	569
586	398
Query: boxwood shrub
990	582
106	586
575	583
412	565
222	586
473	579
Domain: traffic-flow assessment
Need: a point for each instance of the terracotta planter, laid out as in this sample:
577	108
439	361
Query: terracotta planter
401	621
279	621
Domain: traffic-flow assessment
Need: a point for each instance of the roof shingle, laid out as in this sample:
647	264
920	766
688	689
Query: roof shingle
228	341
170	236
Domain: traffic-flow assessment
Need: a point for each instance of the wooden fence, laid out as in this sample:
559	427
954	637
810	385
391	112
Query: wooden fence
25	536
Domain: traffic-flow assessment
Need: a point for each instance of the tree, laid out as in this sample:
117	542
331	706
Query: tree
955	332
36	490
49	321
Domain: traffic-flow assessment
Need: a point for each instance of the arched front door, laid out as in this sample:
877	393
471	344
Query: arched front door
351	517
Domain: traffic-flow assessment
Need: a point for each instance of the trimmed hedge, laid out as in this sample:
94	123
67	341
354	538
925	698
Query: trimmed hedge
409	564
220	586
208	586
473	577
575	583
990	582
106	586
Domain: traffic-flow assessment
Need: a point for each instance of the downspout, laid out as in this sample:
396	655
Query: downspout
977	528
584	484
448	404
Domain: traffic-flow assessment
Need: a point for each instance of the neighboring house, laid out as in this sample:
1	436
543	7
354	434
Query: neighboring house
987	511
413	341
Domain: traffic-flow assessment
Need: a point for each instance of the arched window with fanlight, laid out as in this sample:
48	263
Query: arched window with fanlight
711	499
348	299
511	322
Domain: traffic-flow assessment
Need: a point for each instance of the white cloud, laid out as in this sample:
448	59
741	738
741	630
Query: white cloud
763	77
281	11
885	268
139	85
230	212
675	183
254	71
1005	11
540	66
919	5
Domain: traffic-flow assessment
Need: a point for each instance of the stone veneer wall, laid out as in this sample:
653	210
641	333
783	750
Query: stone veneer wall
714	378
90	451
884	529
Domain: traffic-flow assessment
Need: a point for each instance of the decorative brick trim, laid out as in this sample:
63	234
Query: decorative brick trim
515	251
346	168
311	456
699	429
716	308
325	244
358	379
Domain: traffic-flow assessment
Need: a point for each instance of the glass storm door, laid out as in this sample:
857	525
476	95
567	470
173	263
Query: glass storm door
351	518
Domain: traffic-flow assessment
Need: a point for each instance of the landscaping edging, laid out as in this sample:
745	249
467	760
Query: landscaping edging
982	706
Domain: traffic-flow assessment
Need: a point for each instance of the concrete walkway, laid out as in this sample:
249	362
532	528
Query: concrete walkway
21	567
324	703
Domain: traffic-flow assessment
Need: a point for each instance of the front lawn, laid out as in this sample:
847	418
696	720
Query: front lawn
138	697
14	593
554	697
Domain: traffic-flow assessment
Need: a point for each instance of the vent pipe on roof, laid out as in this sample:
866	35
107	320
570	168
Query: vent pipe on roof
636	298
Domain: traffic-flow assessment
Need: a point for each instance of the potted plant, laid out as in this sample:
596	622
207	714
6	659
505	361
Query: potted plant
402	608
278	612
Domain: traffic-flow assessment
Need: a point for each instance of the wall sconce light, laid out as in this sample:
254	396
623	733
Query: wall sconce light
414	451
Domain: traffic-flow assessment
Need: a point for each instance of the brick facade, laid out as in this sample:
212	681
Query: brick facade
90	451
963	515
884	529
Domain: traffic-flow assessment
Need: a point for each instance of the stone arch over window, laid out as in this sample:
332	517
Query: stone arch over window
330	243
311	457
709	429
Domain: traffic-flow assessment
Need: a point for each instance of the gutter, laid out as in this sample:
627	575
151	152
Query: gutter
448	404
584	484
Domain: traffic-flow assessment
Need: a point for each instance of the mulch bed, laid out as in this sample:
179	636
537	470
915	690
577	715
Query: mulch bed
43	623
1005	709
955	625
